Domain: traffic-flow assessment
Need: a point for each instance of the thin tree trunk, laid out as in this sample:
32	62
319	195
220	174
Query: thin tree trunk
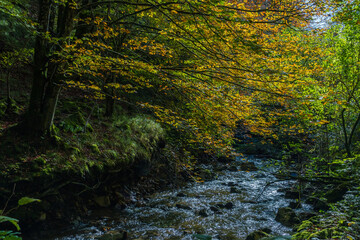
109	105
347	146
8	93
354	129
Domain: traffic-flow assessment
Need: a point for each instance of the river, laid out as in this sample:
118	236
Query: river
232	206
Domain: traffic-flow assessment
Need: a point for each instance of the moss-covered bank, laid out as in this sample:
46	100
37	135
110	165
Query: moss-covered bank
87	162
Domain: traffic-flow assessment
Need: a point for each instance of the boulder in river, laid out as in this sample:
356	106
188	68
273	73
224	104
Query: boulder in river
295	205
232	169
248	166
320	204
287	217
229	205
202	237
224	159
290	194
235	190
102	201
231	184
214	209
180	194
182	206
306	215
278	238
336	194
203	213
257	235
113	235
283	189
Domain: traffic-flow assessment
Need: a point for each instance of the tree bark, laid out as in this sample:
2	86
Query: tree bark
346	141
109	106
8	93
46	85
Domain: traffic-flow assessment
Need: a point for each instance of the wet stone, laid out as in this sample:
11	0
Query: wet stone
257	235
202	237
231	184
295	205
311	200
320	205
220	205
266	230
260	175
102	201
182	206
113	235
203	213
249	201
232	168
235	190
306	215
229	205
248	166
292	194
336	194
287	217
283	189
214	209
180	194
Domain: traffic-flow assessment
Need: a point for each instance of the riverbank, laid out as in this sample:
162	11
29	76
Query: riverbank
93	162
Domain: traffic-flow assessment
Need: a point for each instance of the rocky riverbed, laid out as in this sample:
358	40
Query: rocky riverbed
241	202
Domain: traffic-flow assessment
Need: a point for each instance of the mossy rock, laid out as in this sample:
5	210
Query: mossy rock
336	194
76	123
287	217
112	235
321	204
202	237
257	235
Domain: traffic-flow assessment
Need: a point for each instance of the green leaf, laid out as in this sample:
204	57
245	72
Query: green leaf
27	200
12	237
12	220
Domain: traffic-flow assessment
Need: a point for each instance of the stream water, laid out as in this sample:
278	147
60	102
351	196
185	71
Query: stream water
233	205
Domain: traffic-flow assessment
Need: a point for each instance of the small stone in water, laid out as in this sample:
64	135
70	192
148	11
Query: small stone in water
202	237
220	205
180	194
248	166
295	205
214	209
292	194
181	206
234	190
232	169
229	205
231	184
203	213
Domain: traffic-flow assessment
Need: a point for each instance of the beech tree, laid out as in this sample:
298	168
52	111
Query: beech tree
211	62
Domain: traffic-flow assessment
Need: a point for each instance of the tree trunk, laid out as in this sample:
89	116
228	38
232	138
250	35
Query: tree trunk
109	106
346	140
46	86
8	93
35	111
